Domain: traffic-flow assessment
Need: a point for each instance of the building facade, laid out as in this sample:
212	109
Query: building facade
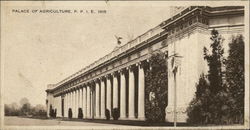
117	80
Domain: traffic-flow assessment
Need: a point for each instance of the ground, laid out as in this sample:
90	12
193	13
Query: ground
14	121
25	121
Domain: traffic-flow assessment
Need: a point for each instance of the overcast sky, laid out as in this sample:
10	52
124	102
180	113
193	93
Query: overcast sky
41	49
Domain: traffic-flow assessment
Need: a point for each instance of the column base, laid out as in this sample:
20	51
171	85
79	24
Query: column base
141	118
169	114
123	118
97	117
181	114
102	117
132	118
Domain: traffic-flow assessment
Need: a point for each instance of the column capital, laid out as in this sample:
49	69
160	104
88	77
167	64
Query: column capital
108	76
115	73
102	78
87	84
132	67
90	83
73	89
144	64
84	85
81	86
123	70
97	80
77	87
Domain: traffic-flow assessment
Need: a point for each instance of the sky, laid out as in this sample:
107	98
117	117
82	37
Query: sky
44	48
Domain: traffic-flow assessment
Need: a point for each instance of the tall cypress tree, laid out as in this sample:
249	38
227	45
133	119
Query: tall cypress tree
235	78
215	62
209	101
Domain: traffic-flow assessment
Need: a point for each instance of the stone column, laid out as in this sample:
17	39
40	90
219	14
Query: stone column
60	106
73	103
77	98
115	91
65	105
71	99
68	103
85	102
80	98
123	96
92	102
97	100
131	94
102	99
88	102
56	106
108	100
141	95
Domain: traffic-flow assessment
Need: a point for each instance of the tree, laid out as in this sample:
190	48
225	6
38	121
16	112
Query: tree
156	88
197	111
214	61
7	110
26	109
39	110
23	101
11	109
210	102
235	79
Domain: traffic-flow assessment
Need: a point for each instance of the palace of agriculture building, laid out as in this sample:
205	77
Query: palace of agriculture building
117	80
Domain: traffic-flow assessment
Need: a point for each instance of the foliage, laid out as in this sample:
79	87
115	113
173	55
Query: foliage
214	61
80	114
116	113
25	109
51	111
156	88
70	113
24	101
54	115
107	114
206	107
11	110
198	109
235	79
220	101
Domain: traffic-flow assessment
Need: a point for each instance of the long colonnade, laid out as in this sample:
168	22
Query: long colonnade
123	89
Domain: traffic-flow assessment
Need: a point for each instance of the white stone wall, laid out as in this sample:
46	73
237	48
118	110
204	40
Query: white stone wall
192	64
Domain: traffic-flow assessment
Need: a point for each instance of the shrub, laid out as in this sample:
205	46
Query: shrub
80	114
55	114
107	114
70	113
156	88
197	111
116	113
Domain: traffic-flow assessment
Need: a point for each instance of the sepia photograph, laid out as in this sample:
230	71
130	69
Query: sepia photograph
124	65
